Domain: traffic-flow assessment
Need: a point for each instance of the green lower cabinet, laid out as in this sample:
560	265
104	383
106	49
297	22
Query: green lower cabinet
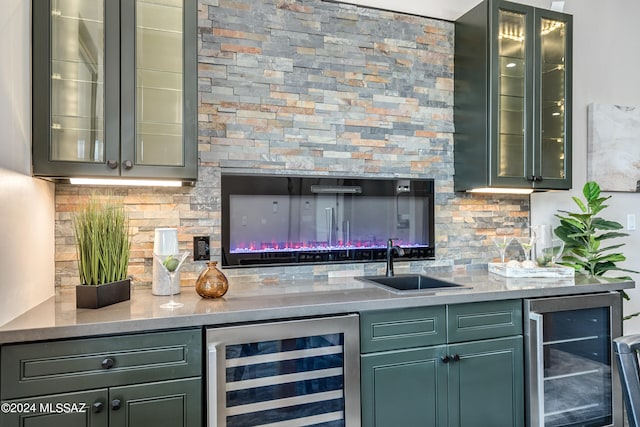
83	409
137	380
404	388
176	403
476	383
169	403
486	383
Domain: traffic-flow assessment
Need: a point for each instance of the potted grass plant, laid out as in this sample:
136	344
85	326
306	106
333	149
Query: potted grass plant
103	243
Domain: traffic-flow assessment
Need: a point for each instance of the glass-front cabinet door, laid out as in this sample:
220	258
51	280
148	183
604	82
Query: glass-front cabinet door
75	102
553	121
158	113
514	84
77	81
114	88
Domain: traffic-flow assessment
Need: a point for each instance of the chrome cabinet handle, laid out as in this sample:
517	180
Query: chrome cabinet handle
112	164
127	164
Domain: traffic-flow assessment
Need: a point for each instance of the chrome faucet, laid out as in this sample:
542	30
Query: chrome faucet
390	250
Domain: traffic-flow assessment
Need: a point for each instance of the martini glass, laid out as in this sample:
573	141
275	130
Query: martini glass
171	265
527	244
502	242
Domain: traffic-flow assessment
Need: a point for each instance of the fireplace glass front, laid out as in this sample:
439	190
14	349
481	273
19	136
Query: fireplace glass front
274	220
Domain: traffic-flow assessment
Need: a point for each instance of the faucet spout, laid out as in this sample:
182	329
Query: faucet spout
391	248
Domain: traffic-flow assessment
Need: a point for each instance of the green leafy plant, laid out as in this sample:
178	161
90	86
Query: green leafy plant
584	232
103	243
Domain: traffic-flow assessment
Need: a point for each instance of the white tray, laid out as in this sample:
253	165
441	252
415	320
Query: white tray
555	271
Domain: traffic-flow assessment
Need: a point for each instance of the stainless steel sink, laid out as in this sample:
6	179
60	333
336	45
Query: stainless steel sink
403	283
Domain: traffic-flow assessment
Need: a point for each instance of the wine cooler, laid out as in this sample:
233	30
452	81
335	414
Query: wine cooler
290	373
572	380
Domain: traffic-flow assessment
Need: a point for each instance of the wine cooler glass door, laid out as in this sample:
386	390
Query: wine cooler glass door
571	375
294	373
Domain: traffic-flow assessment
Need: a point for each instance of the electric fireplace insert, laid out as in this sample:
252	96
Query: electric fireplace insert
279	220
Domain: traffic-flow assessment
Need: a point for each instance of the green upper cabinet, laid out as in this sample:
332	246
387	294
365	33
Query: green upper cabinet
114	88
512	98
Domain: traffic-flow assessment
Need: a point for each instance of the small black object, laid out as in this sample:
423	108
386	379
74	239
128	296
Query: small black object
201	250
107	363
88	296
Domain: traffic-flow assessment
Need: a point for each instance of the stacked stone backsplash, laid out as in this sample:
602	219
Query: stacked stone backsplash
318	88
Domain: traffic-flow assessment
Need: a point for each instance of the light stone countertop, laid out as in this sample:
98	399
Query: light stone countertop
251	301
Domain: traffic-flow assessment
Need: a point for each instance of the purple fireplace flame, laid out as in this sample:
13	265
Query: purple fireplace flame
257	247
289	220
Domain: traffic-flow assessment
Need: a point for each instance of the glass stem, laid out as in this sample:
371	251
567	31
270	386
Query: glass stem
171	276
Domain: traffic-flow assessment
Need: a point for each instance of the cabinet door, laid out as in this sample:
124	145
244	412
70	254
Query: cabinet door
553	68
75	88
486	383
512	97
404	388
114	86
175	403
84	409
159	89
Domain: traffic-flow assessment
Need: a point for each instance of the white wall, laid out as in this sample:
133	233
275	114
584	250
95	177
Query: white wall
26	204
605	71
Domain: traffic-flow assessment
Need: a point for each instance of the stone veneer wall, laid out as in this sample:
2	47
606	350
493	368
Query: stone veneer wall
313	87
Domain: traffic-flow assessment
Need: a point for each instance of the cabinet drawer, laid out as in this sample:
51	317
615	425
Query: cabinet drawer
78	364
482	320
406	328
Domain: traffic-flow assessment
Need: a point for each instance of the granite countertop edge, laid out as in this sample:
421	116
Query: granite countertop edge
58	318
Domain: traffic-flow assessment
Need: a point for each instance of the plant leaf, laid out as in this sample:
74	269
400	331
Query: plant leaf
611	235
603	224
591	191
578	202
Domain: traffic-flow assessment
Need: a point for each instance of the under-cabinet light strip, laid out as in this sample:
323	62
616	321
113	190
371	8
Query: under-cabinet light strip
129	182
498	190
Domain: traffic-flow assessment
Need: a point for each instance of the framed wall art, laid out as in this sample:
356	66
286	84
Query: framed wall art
614	147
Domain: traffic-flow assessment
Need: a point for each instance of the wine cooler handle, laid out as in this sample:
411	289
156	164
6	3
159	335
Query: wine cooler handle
537	345
212	379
